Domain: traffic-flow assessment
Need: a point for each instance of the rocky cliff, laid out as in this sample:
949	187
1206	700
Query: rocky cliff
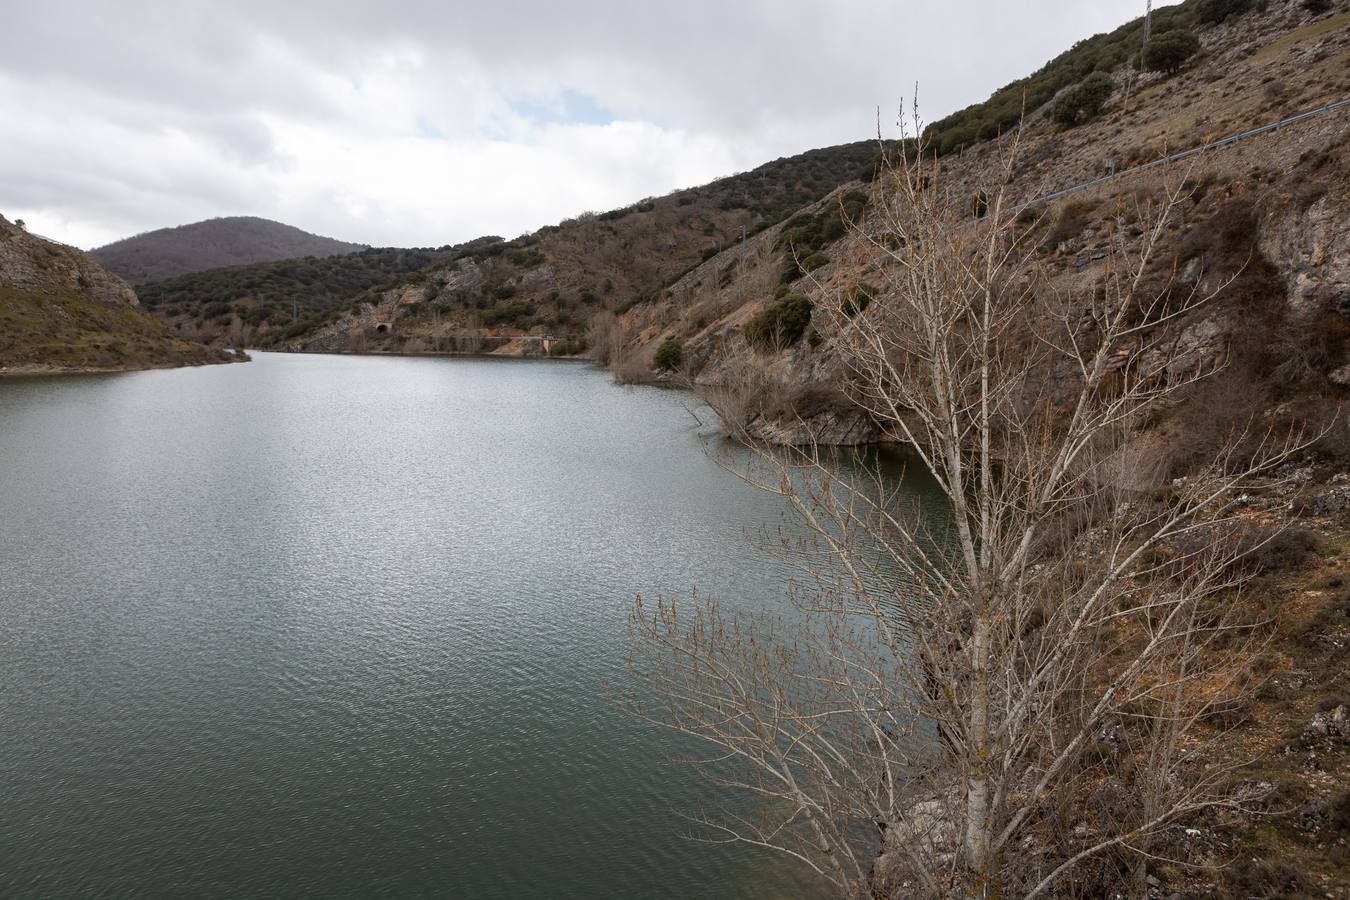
60	311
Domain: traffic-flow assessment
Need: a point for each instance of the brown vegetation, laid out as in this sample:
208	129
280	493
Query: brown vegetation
1022	704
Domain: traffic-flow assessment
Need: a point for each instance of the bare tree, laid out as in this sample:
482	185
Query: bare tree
1009	690
612	342
469	338
743	389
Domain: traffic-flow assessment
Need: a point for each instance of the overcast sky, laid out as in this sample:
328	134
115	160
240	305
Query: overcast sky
427	122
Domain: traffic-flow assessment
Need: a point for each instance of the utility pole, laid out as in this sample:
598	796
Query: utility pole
1148	28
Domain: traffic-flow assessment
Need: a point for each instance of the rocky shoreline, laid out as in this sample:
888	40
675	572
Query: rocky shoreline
38	370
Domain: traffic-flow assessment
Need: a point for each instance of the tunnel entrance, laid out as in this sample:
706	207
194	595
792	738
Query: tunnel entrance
382	328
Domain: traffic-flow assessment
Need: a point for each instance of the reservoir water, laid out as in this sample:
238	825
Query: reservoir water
342	627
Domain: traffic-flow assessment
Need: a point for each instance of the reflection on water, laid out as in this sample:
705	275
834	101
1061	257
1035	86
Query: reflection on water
338	626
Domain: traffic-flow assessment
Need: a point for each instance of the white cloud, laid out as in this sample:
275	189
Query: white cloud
421	123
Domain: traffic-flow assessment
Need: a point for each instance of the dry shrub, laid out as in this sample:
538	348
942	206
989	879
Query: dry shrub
744	391
1267	878
1306	348
1336	818
1273	549
1072	219
1259	549
612	345
1227	246
1310	194
1327	421
1200	187
1217	411
1332	615
805	401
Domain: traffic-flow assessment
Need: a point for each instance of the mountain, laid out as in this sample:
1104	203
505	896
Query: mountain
1281	197
553	280
229	241
1261	222
1261	225
61	311
701	267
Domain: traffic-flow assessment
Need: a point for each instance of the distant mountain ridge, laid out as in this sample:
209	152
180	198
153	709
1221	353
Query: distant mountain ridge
551	281
227	241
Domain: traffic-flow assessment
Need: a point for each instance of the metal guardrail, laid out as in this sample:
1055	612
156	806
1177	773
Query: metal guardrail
1174	157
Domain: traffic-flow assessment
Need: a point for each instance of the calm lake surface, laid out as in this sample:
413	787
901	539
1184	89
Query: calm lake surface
341	627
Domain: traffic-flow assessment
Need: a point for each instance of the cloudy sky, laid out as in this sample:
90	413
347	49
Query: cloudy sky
426	122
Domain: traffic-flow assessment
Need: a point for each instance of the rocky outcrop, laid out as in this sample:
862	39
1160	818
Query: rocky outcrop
1331	723
830	428
925	835
61	312
31	263
1308	239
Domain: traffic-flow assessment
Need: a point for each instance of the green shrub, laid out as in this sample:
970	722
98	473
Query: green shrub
1002	111
1212	12
979	205
573	346
781	324
526	258
1169	51
643	295
517	313
1083	101
833	227
669	356
815	261
858	298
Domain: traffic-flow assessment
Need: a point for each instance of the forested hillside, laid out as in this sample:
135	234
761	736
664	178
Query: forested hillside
551	281
229	241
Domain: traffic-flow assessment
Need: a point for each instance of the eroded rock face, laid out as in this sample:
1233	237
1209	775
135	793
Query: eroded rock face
833	428
1332	723
28	262
1309	242
1333	501
466	275
1198	344
927	833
